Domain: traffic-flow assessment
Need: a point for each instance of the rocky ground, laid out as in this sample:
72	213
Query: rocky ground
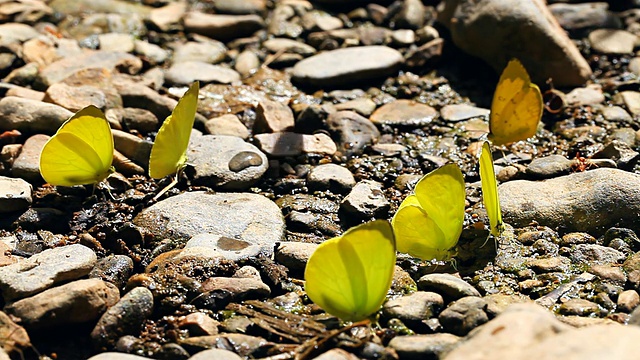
315	116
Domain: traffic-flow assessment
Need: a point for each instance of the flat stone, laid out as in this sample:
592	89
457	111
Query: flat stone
240	7
366	200
44	270
630	99
123	318
116	42
133	147
153	53
66	67
331	177
15	194
227	124
27	165
292	144
450	286
429	346
16	32
225	162
404	113
459	112
612	41
273	116
288	45
352	132
185	73
211	52
294	255
168	17
346	66
575	202
240	288
222	27
219	354
31	116
242	216
76	302
75	98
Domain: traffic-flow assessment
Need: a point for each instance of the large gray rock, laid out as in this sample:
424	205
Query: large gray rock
243	217
43	270
498	30
346	66
531	332
227	162
591	201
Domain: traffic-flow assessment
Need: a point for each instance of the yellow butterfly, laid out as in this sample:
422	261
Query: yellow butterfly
516	108
490	190
169	151
349	275
428	223
80	152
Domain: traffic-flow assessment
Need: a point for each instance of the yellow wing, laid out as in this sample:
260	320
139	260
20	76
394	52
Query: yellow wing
516	108
428	224
169	151
490	190
349	276
80	152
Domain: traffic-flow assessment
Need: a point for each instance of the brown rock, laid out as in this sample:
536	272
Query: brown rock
274	116
76	302
404	113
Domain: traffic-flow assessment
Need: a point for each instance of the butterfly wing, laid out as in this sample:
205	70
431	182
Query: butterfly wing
441	195
169	151
417	234
516	108
490	190
349	276
80	152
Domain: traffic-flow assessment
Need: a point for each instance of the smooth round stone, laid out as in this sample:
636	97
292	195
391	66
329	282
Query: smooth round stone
15	194
331	177
575	202
226	162
229	248
404	113
348	65
611	41
185	73
241	216
458	112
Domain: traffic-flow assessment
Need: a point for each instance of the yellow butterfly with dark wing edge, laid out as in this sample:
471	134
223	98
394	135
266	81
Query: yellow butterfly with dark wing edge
81	152
516	108
490	196
429	222
169	151
349	275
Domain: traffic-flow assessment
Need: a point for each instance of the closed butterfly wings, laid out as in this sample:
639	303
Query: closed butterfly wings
490	196
428	223
81	152
516	108
349	276
169	151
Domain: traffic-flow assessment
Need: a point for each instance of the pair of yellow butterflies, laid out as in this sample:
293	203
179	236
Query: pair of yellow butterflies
429	222
350	275
81	151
